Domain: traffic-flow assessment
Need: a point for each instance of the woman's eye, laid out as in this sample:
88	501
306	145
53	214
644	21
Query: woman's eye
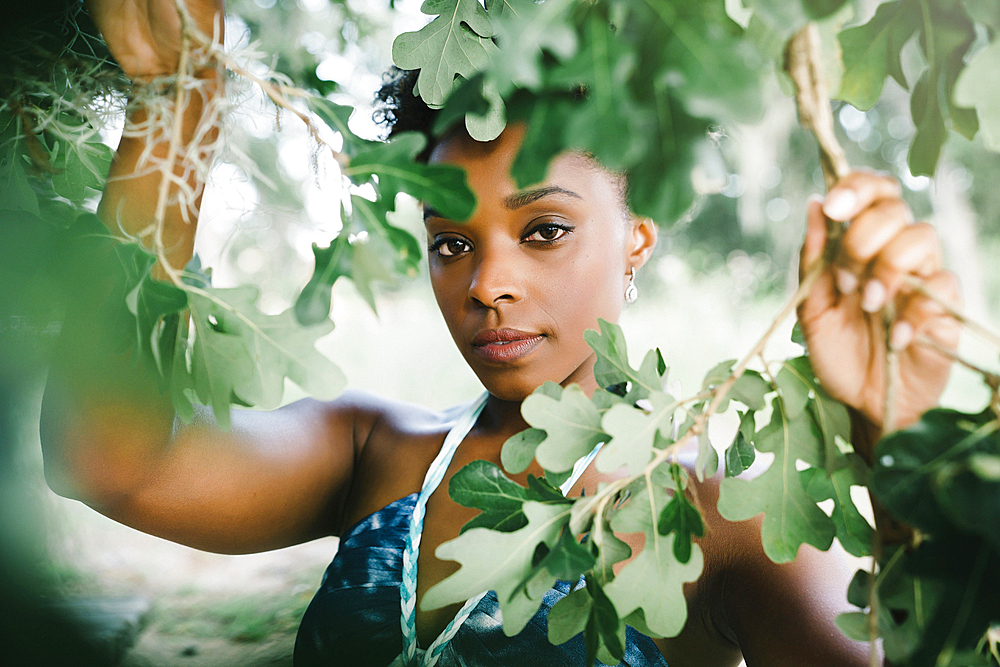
450	246
548	232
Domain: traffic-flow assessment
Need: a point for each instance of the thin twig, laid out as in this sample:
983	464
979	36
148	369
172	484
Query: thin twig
176	137
985	333
278	93
989	377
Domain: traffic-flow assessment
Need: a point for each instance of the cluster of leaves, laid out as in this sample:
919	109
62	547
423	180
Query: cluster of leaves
663	72
937	600
957	86
659	73
527	538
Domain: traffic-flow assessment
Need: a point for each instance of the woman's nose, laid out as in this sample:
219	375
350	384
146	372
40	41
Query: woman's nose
497	278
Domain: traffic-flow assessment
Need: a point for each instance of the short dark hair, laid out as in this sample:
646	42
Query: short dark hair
399	110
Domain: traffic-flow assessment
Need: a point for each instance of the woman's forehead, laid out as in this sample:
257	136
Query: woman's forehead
487	164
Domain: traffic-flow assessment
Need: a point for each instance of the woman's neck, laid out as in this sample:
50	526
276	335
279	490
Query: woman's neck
502	417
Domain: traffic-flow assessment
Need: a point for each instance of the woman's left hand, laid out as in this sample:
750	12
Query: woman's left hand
841	318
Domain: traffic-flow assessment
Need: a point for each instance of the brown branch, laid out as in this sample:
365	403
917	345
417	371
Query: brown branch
803	64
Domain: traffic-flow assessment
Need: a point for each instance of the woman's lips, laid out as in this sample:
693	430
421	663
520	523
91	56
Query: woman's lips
504	345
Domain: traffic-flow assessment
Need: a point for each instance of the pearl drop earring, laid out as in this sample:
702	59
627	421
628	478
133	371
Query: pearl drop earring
631	292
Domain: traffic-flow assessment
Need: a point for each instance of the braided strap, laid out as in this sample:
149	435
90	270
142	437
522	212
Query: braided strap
408	588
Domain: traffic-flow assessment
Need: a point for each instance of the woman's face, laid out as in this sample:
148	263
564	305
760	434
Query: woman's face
522	279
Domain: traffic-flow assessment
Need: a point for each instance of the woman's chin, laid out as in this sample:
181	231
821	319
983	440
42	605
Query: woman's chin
511	387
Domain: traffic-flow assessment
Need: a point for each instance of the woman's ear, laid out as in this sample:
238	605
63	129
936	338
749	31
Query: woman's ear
643	240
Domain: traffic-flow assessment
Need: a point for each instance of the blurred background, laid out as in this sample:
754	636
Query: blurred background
718	277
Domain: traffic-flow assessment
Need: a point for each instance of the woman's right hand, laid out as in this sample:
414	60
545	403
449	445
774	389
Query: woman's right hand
144	36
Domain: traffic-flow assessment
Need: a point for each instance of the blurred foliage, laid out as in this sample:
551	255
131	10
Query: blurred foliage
681	96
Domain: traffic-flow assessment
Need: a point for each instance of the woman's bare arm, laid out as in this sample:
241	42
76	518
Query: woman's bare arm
109	435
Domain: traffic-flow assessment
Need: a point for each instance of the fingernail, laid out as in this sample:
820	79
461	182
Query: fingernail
873	297
847	282
901	335
840	205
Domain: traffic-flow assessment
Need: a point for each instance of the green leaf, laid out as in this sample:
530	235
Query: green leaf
854	625
707	463
612	366
605	620
572	426
967	573
978	86
945	39
371	262
156	306
654	582
633	433
927	476
519	450
787	17
871	51
852	529
750	389
501	562
568	617
794	387
641	511
601	63
541	490
482	485
525	35
858	589
313	305
239	351
715	376
610	550
15	190
710	59
740	455
488	126
682	519
81	166
797	336
440	186
791	516
368	250
456	43
568	559
986	12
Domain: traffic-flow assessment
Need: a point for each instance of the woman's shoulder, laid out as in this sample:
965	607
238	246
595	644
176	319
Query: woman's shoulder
395	442
377	416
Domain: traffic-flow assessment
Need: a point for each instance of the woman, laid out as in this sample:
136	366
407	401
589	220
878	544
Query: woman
517	284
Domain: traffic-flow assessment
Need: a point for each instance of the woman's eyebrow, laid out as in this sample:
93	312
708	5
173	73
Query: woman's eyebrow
516	200
525	197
